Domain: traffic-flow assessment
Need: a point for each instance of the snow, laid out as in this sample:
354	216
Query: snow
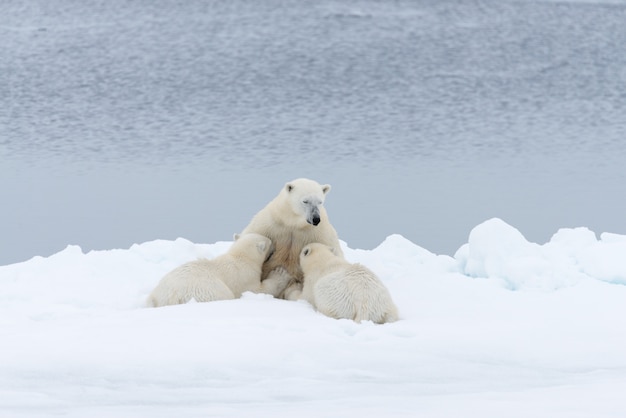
506	327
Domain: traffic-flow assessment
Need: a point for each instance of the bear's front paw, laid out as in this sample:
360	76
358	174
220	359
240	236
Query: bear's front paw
276	282
293	291
281	277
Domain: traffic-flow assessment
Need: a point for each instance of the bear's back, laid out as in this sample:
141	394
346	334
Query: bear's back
354	292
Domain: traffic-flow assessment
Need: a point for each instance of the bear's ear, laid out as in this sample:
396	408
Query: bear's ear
289	187
261	246
326	188
236	236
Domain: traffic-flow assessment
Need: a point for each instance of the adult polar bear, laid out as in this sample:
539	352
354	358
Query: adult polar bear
293	219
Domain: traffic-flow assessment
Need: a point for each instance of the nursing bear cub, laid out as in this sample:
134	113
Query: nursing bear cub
224	277
340	289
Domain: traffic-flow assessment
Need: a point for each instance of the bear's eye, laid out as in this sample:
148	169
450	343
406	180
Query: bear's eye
305	201
306	252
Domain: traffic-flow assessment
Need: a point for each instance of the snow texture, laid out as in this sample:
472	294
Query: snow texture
505	328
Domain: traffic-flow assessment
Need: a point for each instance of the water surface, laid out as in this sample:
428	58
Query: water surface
127	121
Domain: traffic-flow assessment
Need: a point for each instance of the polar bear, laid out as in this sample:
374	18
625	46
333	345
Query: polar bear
293	219
340	289
224	277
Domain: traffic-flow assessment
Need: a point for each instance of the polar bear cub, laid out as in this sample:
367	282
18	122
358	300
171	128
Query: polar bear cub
340	289
224	277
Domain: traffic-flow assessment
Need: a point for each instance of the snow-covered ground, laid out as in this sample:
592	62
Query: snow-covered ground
506	328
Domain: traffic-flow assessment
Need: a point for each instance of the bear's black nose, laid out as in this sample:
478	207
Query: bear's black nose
315	220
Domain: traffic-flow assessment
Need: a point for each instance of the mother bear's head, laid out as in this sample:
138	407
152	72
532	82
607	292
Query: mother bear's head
306	198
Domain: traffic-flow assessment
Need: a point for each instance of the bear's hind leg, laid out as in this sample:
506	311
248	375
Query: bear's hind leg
208	291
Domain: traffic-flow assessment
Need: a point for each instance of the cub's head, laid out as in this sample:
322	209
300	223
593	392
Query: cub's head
254	245
306	198
315	254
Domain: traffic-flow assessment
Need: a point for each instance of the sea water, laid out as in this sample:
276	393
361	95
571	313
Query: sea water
128	121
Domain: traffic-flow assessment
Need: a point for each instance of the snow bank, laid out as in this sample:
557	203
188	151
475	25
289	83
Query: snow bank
497	250
505	328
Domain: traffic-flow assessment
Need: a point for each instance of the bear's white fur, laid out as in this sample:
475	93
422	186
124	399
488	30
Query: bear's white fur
340	289
224	277
293	219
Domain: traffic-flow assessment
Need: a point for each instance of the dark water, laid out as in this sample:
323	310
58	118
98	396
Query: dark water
127	121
